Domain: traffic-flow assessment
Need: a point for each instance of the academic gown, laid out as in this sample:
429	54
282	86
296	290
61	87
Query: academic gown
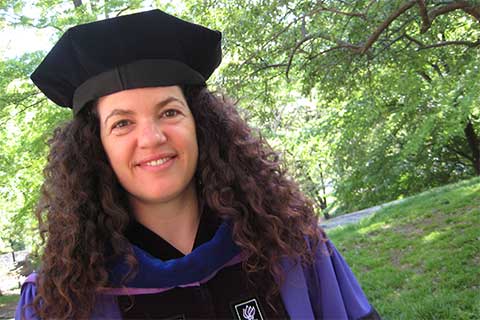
209	283
218	298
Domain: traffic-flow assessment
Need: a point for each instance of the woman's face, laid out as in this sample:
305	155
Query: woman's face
149	137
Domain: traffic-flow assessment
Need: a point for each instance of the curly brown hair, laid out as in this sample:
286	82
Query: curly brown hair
83	211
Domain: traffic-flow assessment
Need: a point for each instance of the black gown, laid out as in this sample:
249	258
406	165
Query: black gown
224	296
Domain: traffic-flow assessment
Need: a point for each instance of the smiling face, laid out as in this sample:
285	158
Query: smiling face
149	137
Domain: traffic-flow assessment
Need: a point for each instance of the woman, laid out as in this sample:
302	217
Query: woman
158	200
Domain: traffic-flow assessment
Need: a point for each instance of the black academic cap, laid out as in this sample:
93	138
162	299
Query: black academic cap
147	49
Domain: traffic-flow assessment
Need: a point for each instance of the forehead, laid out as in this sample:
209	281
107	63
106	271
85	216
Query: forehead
139	97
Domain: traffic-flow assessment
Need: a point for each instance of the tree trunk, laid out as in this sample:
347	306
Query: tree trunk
322	203
474	145
326	214
77	3
323	200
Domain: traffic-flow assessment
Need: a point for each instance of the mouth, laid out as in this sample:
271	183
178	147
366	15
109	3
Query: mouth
156	161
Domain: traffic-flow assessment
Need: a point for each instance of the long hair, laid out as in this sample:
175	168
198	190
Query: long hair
83	210
243	180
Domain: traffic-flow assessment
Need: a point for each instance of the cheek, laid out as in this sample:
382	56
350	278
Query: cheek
193	145
116	153
184	139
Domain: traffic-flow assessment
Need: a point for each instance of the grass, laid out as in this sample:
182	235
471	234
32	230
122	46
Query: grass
420	259
8	303
8	299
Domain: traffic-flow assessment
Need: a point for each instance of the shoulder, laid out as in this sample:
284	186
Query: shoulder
27	295
335	287
105	305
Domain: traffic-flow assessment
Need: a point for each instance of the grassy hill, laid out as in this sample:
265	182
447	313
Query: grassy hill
420	259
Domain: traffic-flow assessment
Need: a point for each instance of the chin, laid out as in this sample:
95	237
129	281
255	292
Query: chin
152	198
159	196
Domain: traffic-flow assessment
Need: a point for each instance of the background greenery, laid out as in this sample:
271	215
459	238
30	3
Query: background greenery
427	254
368	101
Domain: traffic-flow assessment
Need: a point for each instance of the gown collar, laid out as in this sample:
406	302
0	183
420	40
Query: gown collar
158	247
205	260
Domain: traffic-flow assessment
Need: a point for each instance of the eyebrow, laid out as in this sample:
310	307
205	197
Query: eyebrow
161	104
117	112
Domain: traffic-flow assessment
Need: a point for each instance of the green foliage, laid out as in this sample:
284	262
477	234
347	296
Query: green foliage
396	114
419	259
27	118
356	125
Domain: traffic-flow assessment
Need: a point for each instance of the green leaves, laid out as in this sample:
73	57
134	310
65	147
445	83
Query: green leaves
366	102
392	119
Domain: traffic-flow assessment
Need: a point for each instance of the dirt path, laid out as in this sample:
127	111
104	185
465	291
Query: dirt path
7	311
9	283
353	217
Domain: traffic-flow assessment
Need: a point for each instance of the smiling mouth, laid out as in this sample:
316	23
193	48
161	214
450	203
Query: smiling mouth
157	162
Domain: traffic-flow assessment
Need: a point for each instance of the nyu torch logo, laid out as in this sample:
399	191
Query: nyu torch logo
248	310
249	313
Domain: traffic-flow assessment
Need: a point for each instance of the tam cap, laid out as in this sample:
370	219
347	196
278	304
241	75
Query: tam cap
147	49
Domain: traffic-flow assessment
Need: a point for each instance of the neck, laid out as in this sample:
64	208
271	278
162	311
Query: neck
175	221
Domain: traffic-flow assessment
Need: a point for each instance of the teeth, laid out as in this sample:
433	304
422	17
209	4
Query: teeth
157	162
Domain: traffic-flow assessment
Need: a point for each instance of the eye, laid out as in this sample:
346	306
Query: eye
120	124
170	113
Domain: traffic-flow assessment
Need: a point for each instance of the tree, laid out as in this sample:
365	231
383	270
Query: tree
399	79
373	99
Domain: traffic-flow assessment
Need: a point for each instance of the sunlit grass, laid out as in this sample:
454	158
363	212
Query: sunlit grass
420	259
8	299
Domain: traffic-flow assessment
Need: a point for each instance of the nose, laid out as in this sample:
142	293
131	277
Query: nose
151	135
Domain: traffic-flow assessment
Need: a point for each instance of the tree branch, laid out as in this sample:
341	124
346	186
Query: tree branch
27	23
362	48
25	108
437	69
473	11
423	46
77	3
279	33
424	14
390	43
447	8
298	45
340	44
371	40
425	76
123	10
350	14
449	43
22	98
276	65
417	42
329	49
426	18
459	152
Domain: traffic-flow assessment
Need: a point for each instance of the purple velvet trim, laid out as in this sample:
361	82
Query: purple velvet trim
29	291
340	294
294	291
326	290
193	267
31	278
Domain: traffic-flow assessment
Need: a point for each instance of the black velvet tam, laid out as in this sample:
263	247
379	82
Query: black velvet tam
147	49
